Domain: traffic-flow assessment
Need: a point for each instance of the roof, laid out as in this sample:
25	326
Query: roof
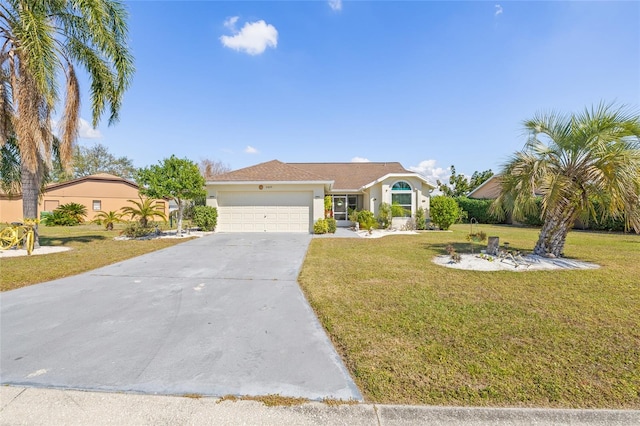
493	179
342	176
352	176
99	177
271	171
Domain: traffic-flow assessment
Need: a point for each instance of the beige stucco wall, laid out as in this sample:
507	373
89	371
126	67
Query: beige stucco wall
316	192
381	192
113	195
372	197
10	210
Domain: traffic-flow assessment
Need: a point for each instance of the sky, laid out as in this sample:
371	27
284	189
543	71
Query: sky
429	84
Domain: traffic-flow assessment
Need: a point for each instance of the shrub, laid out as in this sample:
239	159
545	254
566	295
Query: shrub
609	224
205	217
478	209
69	214
444	211
320	227
421	219
535	218
328	206
598	224
398	211
384	215
477	237
367	220
136	230
58	218
332	225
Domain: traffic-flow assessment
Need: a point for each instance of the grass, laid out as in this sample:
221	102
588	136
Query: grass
271	400
412	332
92	247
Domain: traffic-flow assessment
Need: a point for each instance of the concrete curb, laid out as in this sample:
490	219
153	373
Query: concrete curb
29	406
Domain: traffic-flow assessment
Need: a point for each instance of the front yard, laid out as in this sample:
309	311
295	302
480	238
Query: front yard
412	332
92	247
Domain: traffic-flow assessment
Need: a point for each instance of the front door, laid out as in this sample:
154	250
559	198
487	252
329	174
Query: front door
340	207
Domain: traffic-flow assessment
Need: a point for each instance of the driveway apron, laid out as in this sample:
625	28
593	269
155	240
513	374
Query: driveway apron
219	315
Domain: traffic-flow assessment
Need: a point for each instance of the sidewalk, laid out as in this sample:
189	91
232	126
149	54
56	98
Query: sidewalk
32	406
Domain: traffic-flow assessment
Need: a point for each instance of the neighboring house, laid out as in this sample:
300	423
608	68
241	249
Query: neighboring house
96	192
289	197
489	190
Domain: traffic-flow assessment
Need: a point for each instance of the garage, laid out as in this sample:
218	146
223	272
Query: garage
264	211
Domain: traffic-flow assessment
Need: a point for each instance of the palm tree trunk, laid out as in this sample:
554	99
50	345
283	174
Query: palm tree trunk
30	194
554	231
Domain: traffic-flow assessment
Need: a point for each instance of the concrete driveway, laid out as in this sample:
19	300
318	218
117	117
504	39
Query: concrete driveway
214	316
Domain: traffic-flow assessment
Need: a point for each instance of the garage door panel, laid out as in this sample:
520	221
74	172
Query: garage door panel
236	213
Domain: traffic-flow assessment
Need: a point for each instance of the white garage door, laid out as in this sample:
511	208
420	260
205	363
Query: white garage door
264	211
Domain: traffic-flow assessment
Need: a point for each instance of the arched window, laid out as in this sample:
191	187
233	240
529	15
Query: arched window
401	195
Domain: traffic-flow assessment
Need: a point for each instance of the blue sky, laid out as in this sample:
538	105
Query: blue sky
428	84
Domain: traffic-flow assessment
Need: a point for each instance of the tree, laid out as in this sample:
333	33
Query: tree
210	168
144	210
175	178
444	211
574	162
478	178
45	39
93	160
10	167
459	185
108	219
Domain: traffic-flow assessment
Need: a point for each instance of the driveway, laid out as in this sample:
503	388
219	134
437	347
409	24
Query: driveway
219	315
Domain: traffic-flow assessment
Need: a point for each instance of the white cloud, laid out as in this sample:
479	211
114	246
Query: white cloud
250	150
86	131
498	10
253	38
359	160
335	5
231	23
431	171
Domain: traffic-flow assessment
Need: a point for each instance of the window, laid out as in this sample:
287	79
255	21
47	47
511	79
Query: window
97	205
401	195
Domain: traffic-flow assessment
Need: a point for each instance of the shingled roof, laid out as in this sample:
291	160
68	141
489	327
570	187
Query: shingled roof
271	171
352	176
343	176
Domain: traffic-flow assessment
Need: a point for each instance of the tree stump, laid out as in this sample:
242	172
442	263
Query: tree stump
493	245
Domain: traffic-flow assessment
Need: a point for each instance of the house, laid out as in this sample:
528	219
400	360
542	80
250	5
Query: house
96	192
289	197
488	190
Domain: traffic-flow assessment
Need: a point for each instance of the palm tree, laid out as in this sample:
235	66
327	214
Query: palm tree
76	212
575	163
144	210
44	39
108	219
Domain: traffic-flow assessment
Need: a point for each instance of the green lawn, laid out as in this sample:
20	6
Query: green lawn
92	247
412	332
